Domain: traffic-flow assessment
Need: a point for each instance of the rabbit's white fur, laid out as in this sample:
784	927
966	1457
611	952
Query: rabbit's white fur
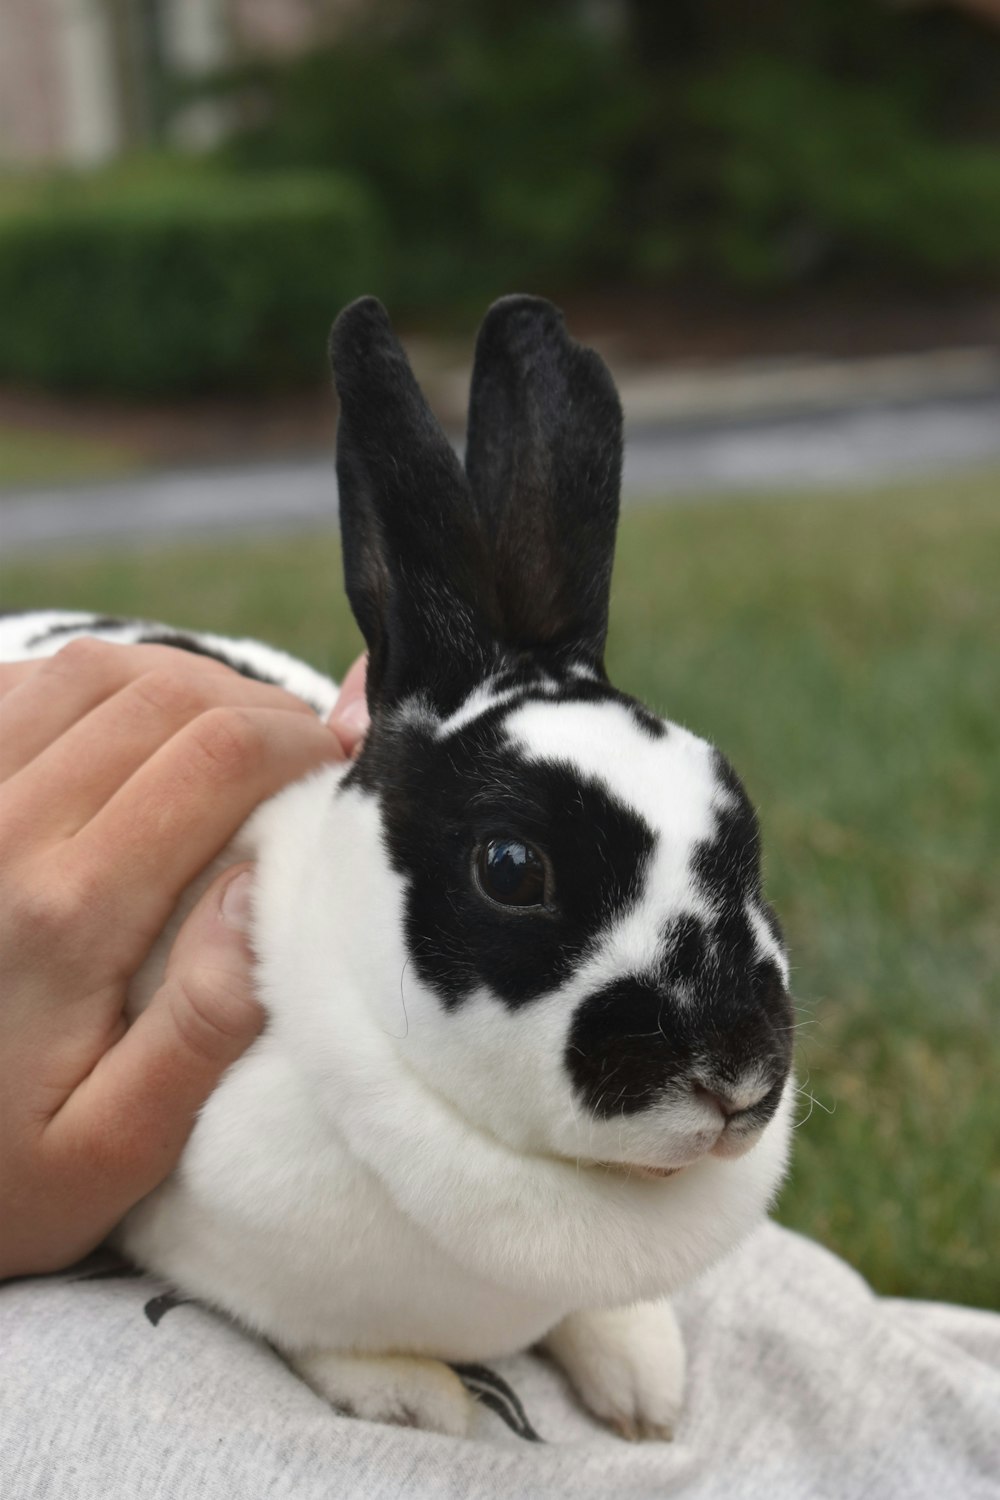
332	1197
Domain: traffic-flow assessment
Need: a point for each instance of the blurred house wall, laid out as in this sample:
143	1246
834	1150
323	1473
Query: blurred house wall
284	27
78	78
58	100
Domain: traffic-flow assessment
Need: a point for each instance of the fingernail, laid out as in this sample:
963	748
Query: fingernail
353	717
235	906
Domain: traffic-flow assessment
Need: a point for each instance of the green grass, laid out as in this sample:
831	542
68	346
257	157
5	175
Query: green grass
29	457
845	652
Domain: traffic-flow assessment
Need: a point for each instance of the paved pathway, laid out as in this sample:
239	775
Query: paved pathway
846	447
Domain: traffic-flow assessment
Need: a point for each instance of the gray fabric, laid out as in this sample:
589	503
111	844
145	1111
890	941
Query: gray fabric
802	1385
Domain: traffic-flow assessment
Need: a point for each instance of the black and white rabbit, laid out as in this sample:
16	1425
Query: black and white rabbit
527	1061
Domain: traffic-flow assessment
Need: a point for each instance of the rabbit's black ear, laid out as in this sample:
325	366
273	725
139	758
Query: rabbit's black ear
544	462
414	563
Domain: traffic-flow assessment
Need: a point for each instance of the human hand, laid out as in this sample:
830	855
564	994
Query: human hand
124	771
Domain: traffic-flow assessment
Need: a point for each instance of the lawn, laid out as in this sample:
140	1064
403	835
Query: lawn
29	456
845	652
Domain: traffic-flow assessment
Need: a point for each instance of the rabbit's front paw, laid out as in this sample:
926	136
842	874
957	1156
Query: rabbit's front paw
626	1364
397	1388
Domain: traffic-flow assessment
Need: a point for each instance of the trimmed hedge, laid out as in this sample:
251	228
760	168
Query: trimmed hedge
180	279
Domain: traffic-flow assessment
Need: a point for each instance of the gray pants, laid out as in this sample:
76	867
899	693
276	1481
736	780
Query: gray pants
802	1385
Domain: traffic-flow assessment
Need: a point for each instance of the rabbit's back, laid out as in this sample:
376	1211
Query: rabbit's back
41	633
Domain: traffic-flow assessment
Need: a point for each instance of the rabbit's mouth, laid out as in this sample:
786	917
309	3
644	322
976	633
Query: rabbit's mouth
637	1169
652	1172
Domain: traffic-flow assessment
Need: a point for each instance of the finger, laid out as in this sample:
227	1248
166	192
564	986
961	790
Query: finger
180	809
13	673
349	718
130	1118
52	693
68	782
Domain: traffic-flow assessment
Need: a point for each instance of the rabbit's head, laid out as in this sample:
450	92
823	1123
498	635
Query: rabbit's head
587	965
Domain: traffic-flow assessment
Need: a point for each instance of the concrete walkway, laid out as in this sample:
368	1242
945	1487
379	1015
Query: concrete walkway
805	426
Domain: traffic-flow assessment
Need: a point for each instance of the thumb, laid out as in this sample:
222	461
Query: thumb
349	718
204	1014
207	992
146	1092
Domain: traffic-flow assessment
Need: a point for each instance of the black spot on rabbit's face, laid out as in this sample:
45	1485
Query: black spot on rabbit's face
726	866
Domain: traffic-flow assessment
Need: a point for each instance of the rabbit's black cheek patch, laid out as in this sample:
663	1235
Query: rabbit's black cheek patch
625	1048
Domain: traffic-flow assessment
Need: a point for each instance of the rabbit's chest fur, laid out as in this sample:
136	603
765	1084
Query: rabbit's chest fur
270	1217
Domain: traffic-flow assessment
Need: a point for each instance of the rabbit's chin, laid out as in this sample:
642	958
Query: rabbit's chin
729	1146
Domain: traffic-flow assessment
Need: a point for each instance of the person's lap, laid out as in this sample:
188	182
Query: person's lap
801	1384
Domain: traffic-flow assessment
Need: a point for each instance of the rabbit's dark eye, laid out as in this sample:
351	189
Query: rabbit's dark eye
511	873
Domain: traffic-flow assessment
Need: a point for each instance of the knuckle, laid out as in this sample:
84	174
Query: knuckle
173	692
213	1013
228	741
36	911
49	908
84	654
186	659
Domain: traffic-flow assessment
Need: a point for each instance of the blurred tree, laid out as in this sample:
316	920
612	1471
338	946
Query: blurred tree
989	10
495	136
550	141
140	67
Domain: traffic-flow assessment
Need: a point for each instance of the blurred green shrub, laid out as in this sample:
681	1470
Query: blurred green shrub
559	143
801	174
179	277
497	152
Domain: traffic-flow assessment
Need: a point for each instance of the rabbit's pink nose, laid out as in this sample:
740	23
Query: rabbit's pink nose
730	1105
722	1102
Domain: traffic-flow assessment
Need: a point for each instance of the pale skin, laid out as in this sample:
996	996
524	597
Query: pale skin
124	771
